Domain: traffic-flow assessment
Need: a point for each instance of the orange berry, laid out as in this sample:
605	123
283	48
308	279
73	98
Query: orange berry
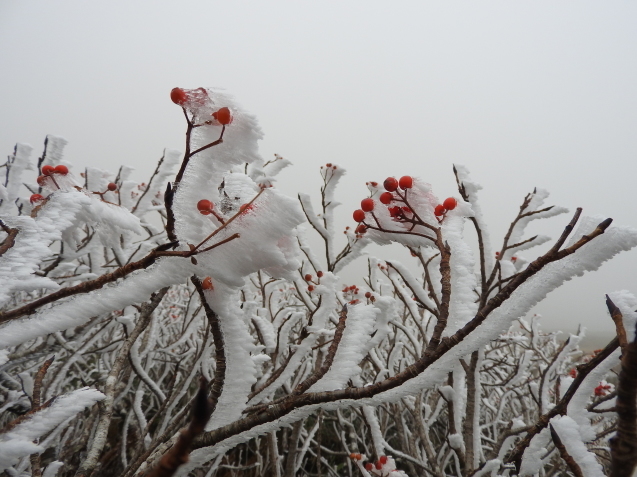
386	198
390	184
450	203
206	284
178	96
367	205
406	182
47	170
224	116
60	169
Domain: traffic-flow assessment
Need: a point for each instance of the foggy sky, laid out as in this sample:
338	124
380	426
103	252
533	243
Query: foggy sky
526	94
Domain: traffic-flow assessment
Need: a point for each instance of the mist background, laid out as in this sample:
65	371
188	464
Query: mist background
526	94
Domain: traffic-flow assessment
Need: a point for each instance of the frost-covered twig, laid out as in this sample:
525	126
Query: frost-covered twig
575	468
106	408
178	454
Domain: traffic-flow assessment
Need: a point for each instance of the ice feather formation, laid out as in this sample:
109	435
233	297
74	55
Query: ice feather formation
206	273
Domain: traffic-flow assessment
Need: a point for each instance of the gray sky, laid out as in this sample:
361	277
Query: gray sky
525	94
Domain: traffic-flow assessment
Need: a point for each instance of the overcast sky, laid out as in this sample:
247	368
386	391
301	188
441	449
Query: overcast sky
525	94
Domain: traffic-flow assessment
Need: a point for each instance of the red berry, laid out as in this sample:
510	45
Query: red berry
308	277
310	288
367	205
369	466
359	215
439	210
406	182
35	198
178	96
383	459
112	186
42	180
359	457
224	116
61	170
206	284
450	203
390	184
48	170
378	465
205	205
361	229
352	456
368	294
319	274
394	211
329	164
386	198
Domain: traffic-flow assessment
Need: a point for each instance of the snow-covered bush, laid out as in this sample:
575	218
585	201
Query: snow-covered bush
189	319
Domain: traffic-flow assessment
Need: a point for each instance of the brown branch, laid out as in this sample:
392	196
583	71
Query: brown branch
178	453
509	247
91	460
36	462
623	447
218	341
37	382
583	370
329	358
616	315
26	416
91	285
572	465
161	161
278	410
9	241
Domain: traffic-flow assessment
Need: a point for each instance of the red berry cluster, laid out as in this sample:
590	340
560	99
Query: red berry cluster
199	96
448	204
390	184
602	389
352	291
59	169
49	171
223	116
378	465
309	278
